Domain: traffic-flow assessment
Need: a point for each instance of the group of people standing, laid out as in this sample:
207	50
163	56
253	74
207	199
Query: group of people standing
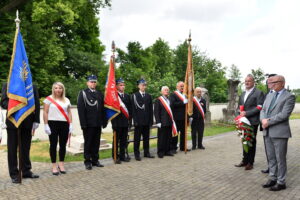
271	112
136	109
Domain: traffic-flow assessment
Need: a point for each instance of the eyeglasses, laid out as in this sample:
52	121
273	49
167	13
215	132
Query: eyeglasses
274	82
93	81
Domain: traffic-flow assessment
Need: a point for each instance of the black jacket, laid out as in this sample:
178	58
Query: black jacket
28	121
91	116
196	113
142	117
178	107
161	115
254	99
121	120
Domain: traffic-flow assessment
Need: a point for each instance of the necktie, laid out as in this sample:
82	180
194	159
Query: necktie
273	102
143	95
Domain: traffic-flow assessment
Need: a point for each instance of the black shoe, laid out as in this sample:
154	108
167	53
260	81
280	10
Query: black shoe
160	155
265	171
15	180
88	166
30	175
278	187
97	164
269	183
138	158
149	156
186	149
193	148
240	165
201	147
118	161
55	173
169	154
62	172
124	159
174	151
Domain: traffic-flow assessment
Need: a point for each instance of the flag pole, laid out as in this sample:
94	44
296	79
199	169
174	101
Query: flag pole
113	47
190	86
17	20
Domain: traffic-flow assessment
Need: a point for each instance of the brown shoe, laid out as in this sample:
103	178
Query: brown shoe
249	167
240	165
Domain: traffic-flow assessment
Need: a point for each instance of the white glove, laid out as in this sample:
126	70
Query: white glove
185	101
35	125
47	129
190	120
158	125
71	128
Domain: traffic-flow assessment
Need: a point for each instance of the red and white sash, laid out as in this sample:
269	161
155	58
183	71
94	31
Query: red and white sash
169	111
63	113
198	105
123	108
180	96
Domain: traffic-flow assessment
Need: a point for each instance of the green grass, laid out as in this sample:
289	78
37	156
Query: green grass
295	116
40	149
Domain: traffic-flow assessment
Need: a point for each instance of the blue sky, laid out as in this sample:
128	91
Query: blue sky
247	33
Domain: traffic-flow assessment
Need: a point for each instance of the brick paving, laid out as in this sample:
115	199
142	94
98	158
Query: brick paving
200	174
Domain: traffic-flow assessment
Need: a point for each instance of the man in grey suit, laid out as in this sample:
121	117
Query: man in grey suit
274	117
251	100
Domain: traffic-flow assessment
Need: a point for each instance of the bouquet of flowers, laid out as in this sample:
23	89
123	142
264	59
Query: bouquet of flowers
245	131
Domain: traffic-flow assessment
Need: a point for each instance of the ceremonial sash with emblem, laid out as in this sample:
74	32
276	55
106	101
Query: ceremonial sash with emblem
199	107
123	108
169	111
180	96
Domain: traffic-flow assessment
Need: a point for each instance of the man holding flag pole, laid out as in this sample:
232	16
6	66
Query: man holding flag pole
20	98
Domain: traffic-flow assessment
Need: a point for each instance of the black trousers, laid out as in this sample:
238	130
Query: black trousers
174	140
12	149
145	132
197	132
92	136
59	132
248	158
164	136
121	133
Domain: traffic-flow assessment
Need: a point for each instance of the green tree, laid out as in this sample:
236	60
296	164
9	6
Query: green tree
61	40
234	73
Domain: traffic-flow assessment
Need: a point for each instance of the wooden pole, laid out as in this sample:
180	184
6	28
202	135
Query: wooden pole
20	155
115	146
185	128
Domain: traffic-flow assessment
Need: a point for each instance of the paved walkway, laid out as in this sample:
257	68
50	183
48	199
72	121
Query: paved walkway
207	174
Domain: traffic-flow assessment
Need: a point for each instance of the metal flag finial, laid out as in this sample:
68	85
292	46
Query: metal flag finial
113	47
17	20
190	36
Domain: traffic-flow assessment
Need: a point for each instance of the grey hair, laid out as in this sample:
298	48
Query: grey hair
164	87
281	78
179	83
250	76
198	88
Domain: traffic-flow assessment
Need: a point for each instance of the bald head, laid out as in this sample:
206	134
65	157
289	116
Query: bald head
180	86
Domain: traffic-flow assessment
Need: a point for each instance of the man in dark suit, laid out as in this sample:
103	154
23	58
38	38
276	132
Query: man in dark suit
274	117
90	105
178	103
251	100
142	112
164	120
197	119
27	128
122	122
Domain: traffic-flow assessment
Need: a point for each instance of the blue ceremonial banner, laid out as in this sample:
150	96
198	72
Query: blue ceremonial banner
19	86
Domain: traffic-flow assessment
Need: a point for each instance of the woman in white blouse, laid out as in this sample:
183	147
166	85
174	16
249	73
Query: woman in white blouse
58	124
